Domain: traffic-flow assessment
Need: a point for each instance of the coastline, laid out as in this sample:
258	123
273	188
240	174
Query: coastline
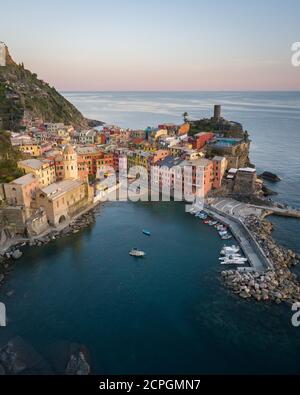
81	221
277	284
273	281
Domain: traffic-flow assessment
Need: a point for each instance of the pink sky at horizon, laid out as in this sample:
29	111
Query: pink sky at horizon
141	46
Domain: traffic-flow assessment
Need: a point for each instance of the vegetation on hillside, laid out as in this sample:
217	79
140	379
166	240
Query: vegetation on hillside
8	159
226	128
11	111
21	90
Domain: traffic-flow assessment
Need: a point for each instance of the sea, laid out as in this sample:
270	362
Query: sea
168	313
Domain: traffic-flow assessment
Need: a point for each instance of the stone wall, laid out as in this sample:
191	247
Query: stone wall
244	183
237	156
13	219
37	223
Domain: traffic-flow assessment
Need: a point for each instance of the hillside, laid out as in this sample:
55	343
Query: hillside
8	159
21	90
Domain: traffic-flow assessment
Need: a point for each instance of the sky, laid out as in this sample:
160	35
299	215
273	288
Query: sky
96	45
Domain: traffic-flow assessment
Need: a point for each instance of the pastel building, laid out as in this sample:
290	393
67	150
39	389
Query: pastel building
21	191
44	170
201	139
65	199
220	166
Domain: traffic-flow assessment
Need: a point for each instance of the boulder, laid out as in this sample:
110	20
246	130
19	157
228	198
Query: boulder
17	254
78	365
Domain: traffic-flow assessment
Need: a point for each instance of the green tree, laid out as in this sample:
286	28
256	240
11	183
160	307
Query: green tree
185	117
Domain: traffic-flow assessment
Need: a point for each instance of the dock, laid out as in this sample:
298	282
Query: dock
252	250
282	212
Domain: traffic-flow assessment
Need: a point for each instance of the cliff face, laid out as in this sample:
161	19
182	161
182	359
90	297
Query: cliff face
21	90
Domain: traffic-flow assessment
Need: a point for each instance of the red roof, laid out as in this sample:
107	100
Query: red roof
138	141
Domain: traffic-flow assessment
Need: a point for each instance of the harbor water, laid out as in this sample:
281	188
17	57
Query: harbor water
167	312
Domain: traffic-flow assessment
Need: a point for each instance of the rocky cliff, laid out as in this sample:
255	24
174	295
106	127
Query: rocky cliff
22	90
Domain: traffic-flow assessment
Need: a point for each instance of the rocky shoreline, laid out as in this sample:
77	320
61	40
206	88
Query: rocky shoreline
8	258
276	285
17	357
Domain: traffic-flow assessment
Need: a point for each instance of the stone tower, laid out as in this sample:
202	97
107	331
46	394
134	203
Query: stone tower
70	163
217	112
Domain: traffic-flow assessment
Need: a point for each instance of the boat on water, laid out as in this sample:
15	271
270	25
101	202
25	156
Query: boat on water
146	232
233	262
213	223
226	237
137	253
231	256
221	227
230	250
238	260
223	232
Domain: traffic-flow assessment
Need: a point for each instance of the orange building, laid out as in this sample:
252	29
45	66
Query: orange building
201	139
220	166
94	159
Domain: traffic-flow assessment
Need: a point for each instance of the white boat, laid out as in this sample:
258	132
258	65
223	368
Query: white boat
223	232
137	253
230	249
230	256
226	237
235	260
232	263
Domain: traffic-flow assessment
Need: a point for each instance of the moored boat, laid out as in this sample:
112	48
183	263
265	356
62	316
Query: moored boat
230	250
226	237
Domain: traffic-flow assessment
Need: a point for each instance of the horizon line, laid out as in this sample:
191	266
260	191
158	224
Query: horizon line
179	90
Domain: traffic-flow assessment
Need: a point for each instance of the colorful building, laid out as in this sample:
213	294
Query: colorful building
21	191
43	169
65	199
201	139
220	166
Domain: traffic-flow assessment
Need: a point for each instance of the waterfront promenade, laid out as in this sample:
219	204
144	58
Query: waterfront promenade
252	250
243	210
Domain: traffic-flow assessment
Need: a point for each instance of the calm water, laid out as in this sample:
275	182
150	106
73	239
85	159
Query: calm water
167	313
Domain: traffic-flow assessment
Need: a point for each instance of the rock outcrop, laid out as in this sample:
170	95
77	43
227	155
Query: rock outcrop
278	284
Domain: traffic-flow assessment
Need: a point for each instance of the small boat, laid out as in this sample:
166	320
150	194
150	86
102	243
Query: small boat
137	253
207	221
223	232
230	256
230	250
146	232
226	237
213	223
240	260
232	263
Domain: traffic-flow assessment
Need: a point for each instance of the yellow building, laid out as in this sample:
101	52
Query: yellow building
63	133
138	158
64	200
31	149
147	147
43	169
